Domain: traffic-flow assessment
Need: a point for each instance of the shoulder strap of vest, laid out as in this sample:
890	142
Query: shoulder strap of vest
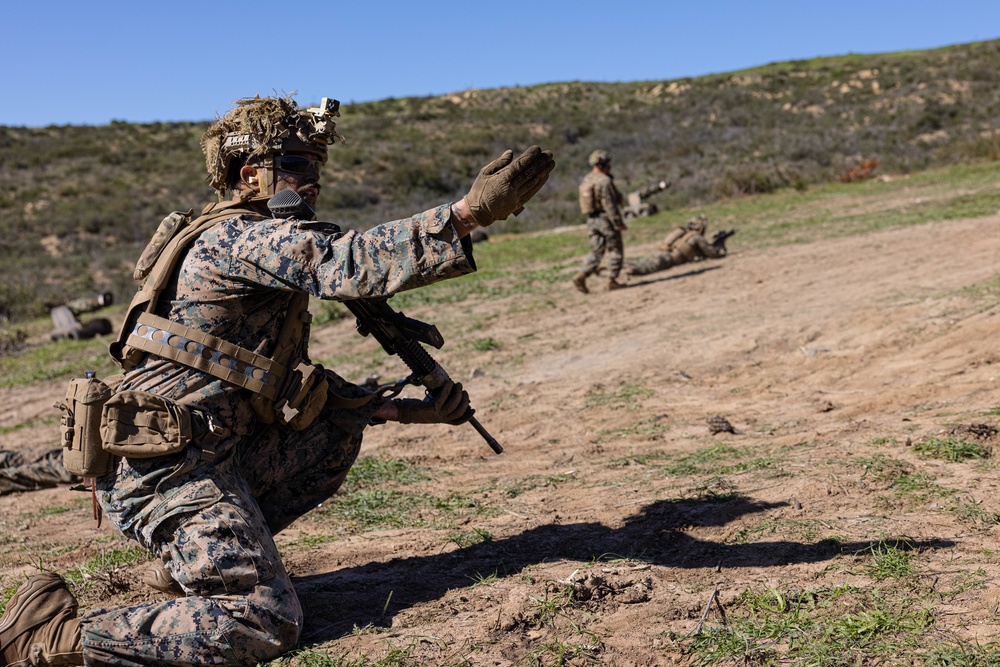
145	299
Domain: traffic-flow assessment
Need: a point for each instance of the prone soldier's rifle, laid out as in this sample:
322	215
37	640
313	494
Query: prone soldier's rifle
719	239
396	333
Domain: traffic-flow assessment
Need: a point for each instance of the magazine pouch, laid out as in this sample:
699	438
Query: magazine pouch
141	425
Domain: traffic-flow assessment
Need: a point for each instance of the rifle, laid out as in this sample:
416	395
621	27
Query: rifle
395	332
719	240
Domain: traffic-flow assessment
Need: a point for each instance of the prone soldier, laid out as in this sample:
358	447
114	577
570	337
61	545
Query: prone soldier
686	243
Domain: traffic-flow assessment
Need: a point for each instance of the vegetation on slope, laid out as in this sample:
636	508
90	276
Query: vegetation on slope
81	201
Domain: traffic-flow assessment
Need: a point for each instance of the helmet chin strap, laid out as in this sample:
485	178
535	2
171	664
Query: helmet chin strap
268	185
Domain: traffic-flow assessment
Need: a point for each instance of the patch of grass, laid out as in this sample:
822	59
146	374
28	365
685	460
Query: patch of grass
973	513
470	538
651	426
891	561
950	449
397	657
108	561
626	396
645	458
372	471
713	461
485	580
839	626
369	500
809	530
485	344
525	484
30	423
363	511
583	651
56	360
921	485
78	504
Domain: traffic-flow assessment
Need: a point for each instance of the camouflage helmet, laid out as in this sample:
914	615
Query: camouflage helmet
698	224
261	126
599	158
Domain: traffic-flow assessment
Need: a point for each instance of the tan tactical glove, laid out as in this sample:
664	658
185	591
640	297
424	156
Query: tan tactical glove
449	406
505	185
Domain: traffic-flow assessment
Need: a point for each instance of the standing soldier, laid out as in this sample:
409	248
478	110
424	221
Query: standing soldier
601	202
212	463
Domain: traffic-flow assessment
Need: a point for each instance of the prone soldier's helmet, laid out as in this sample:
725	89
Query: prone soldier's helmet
260	127
599	158
698	224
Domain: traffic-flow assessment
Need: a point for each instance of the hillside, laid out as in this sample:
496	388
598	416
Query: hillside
80	201
850	519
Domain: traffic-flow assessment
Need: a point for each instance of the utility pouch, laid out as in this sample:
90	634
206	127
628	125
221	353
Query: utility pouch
299	401
83	453
140	425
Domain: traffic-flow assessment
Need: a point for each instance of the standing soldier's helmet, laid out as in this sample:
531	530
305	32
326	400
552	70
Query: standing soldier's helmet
258	128
599	158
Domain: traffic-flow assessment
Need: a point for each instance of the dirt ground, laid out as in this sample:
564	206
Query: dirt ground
820	355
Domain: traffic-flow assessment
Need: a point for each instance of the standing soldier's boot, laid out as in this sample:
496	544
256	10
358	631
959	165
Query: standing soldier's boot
614	284
40	627
580	282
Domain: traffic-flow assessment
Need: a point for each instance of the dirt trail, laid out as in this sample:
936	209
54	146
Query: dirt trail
818	354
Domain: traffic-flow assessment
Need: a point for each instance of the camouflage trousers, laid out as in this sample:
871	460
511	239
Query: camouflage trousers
21	473
211	521
604	240
651	264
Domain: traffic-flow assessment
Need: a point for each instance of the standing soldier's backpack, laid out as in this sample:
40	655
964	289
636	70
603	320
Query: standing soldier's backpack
587	198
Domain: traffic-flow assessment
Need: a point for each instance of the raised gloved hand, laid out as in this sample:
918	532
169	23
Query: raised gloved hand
450	405
505	185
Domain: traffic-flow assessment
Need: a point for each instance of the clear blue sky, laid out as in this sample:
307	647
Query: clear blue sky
146	60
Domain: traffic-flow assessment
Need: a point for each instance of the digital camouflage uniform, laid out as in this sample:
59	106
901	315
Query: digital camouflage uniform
689	247
604	225
210	511
41	470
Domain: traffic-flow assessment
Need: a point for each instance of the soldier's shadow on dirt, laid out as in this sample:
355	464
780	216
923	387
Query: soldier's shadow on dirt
674	276
336	601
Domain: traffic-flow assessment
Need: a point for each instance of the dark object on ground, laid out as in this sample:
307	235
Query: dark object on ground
636	207
719	424
68	327
981	431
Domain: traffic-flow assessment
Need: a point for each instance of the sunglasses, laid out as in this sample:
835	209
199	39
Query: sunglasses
296	164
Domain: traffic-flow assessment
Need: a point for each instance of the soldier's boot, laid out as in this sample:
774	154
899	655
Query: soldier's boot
614	284
158	576
580	282
40	627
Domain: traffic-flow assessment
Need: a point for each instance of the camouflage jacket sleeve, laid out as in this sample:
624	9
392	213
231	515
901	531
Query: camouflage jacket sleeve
610	200
705	248
317	258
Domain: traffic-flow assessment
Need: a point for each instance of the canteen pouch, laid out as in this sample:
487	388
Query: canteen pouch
142	425
82	409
